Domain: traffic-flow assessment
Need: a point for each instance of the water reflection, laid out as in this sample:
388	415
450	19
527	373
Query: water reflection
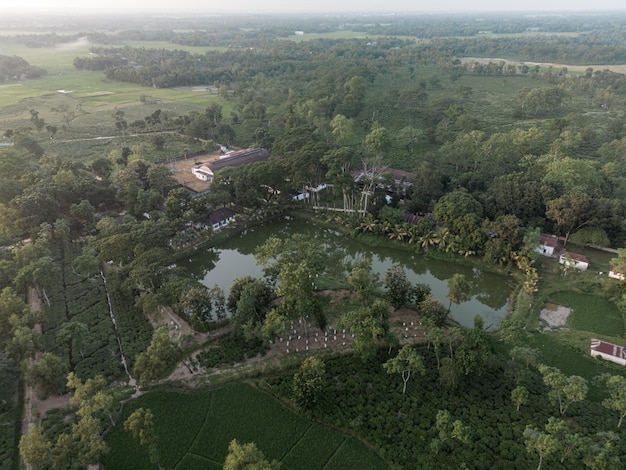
235	259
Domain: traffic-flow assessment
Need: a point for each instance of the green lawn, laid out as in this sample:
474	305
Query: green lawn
195	429
591	313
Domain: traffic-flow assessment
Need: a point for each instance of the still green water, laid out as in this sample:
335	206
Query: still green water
235	258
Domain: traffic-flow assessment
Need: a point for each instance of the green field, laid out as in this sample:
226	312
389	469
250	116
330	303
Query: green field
194	431
591	313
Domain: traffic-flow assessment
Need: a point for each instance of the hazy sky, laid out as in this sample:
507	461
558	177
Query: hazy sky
295	6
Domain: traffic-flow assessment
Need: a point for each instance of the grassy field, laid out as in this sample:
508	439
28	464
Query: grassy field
194	431
591	313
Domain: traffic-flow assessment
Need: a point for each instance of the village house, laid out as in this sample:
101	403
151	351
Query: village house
574	260
390	179
609	351
206	171
221	217
549	245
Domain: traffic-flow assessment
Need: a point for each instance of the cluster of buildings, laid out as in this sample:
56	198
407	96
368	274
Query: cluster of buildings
549	245
552	246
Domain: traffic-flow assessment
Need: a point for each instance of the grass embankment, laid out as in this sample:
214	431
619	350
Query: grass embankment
206	421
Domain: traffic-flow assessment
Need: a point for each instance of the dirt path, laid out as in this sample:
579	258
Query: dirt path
34	407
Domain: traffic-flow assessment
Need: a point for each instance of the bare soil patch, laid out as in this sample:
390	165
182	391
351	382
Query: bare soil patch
555	316
181	171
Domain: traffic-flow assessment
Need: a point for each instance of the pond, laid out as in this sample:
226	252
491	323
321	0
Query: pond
235	258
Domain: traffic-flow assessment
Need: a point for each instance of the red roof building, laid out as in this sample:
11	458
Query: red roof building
609	351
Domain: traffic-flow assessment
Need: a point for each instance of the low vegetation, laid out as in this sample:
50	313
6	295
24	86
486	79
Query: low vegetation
236	411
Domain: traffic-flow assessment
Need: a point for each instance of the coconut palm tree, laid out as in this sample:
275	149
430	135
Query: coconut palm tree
427	240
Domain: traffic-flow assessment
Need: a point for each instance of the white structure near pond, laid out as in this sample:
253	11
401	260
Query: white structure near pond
615	273
574	260
549	245
609	351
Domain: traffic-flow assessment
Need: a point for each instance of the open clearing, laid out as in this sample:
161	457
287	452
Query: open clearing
555	315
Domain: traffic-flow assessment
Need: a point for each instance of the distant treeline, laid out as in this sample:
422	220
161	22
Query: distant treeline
162	68
14	68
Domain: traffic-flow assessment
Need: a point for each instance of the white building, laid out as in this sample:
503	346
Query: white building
549	245
609	351
574	260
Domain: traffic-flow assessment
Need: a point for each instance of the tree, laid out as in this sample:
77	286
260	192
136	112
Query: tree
602	452
75	333
398	287
246	457
522	358
309	382
121	125
368	324
570	211
453	207
160	179
568	443
52	130
616	386
22	343
48	373
474	352
35	449
459	289
252	298
435	310
377	141
449	429
12	308
140	423
153	362
362	281
519	395
435	336
539	442
295	263
83	447
574	176
36	120
158	142
90	397
405	363
564	390
197	306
